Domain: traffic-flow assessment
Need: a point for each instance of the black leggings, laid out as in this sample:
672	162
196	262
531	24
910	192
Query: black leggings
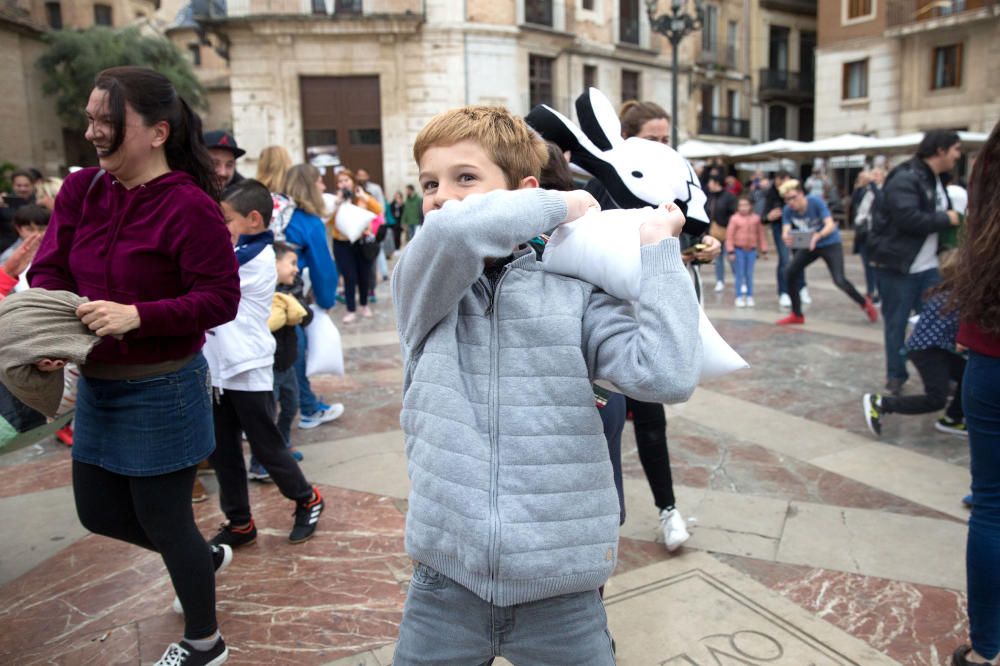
937	368
833	255
154	512
650	422
355	269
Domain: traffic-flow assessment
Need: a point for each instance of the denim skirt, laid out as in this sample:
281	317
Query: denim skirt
148	426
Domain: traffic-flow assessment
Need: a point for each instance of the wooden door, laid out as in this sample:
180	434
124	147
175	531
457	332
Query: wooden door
342	123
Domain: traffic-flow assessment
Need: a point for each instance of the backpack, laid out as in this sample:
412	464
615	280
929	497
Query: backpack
281	215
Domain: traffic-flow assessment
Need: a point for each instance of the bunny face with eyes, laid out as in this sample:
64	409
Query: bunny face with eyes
636	172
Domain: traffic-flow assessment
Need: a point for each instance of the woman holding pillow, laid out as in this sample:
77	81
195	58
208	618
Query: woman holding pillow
350	258
647	120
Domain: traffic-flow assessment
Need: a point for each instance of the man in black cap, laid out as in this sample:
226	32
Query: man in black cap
224	151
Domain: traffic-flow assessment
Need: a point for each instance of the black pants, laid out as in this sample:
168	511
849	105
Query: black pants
613	417
833	255
650	422
397	235
355	269
154	512
937	368
251	412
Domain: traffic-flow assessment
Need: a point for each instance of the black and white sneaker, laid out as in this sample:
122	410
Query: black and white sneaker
182	654
222	557
872	404
306	516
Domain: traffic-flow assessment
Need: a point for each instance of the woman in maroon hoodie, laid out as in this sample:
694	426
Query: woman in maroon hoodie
977	295
144	239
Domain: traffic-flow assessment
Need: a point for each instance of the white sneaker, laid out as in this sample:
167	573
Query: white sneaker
719	286
321	417
784	301
674	528
750	302
741	302
804	295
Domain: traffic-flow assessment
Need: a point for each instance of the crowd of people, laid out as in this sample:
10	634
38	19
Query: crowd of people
199	285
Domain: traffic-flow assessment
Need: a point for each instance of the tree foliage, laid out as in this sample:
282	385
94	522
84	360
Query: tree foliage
75	57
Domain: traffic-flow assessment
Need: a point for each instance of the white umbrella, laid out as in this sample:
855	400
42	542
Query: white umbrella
703	150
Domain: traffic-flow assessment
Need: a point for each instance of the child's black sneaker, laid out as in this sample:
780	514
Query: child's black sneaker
306	517
182	654
222	557
872	404
234	537
944	424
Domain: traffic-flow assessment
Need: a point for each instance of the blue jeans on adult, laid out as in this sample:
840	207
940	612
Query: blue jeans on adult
308	402
902	294
981	402
784	256
720	268
743	270
613	417
444	623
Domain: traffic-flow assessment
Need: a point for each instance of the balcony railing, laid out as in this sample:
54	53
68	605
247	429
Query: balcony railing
907	12
782	83
335	8
804	7
724	126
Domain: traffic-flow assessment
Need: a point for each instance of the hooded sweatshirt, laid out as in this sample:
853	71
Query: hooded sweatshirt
162	246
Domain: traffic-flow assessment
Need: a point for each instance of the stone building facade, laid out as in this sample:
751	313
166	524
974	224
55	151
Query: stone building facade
355	80
889	67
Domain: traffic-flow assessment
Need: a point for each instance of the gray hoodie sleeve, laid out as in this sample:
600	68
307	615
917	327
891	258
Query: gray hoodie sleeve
653	352
448	255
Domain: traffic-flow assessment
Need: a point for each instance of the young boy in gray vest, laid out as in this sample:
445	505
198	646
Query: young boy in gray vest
513	513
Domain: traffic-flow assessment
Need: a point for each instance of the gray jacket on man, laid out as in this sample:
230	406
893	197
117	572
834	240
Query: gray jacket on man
512	494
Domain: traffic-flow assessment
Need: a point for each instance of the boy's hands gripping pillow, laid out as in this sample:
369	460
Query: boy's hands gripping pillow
602	248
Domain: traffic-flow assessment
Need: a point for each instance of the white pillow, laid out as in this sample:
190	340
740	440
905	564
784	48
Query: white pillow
325	355
602	248
352	221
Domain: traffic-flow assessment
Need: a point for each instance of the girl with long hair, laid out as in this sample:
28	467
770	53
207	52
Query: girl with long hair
144	239
975	294
273	164
307	234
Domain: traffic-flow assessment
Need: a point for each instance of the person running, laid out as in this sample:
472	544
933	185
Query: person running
810	218
143	238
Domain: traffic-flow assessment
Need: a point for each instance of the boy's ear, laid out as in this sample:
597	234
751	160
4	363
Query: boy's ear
257	219
527	182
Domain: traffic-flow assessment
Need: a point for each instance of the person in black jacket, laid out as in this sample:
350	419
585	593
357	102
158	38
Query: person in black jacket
720	207
903	242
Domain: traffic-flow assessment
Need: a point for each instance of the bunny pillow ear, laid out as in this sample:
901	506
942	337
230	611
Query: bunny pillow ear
598	119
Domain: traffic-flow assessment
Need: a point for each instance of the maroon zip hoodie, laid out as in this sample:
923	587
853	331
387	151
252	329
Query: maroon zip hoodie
162	246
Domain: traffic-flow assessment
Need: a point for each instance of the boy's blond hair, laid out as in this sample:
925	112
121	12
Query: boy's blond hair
790	186
506	138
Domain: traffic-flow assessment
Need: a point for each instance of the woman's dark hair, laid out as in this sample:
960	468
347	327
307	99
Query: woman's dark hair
936	140
555	172
154	98
634	114
977	272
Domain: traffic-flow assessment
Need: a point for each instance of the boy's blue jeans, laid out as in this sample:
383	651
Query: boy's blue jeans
902	294
743	270
981	401
446	624
308	403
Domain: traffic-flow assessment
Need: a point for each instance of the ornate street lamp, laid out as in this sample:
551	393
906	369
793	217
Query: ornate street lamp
675	26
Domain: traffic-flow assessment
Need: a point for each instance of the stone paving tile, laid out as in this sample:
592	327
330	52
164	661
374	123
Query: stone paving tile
917	625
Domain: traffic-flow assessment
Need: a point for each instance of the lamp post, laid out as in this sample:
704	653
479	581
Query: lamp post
675	26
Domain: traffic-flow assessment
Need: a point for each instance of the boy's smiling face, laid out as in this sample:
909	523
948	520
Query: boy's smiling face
451	173
240	225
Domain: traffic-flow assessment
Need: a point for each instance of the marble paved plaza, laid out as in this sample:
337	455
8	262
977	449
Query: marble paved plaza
812	542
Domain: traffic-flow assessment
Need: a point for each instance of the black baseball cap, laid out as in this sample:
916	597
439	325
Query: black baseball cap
223	140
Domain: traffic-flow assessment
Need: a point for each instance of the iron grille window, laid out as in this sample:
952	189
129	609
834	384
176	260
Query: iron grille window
540	80
630	85
628	21
347	7
102	15
53	14
946	67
